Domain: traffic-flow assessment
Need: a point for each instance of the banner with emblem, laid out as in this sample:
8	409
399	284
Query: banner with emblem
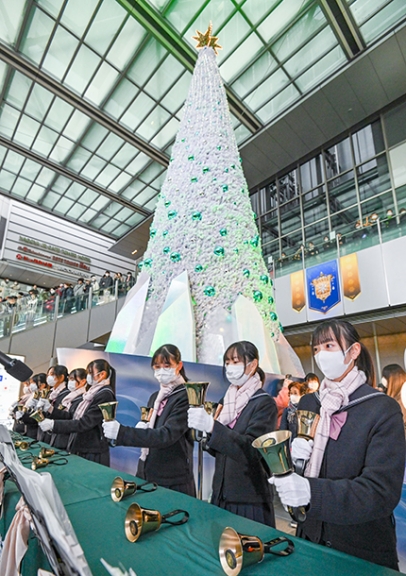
323	290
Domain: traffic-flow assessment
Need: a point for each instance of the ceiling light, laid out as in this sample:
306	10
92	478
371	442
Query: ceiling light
134	252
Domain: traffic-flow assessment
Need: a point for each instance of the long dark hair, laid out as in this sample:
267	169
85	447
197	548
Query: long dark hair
39	379
169	352
246	352
345	335
396	377
78	374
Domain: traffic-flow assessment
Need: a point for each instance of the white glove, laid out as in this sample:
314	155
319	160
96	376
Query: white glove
293	490
301	449
45	404
32	403
142	425
200	420
46	425
110	429
18	415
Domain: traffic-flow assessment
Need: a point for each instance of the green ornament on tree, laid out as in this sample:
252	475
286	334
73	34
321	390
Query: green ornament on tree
175	257
166	250
219	251
210	291
223	232
199	268
246	273
254	241
165	233
172	214
270	300
148	262
264	278
273	316
257	295
191	157
152	232
196	216
167	204
205	169
194	179
140	265
225	187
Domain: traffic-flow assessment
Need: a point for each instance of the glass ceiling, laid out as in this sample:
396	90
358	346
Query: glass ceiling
68	159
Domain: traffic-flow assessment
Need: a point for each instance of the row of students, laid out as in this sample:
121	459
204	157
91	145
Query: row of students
353	479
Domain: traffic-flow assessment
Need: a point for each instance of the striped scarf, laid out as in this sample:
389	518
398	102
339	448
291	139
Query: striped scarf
237	398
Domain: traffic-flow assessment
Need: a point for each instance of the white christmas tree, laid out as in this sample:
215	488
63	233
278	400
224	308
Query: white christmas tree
203	225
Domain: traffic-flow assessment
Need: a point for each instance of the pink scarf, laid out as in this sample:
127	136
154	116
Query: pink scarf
24	398
88	398
69	398
56	391
16	541
237	398
333	396
160	401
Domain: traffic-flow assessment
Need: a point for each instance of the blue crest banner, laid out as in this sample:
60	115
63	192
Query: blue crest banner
323	286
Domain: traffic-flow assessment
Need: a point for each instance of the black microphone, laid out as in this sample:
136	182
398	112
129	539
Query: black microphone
15	368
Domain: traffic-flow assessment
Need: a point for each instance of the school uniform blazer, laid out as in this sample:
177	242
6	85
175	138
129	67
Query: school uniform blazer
240	474
360	481
61	440
47	436
87	433
170	457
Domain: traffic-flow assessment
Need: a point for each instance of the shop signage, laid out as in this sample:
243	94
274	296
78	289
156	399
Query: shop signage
55	249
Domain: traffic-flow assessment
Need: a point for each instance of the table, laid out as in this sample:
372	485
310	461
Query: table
187	550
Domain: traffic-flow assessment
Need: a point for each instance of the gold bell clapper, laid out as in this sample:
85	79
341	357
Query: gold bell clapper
141	520
144	413
307	423
237	551
120	488
196	392
109	410
275	450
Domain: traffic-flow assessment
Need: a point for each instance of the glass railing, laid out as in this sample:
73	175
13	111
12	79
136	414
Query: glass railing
359	237
30	312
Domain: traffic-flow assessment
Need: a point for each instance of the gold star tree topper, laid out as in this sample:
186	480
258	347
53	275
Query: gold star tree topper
207	39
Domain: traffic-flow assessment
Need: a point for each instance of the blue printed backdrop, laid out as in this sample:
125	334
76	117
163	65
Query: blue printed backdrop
323	287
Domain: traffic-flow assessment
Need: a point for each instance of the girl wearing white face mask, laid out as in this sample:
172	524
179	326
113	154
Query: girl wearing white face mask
166	441
31	426
245	413
84	424
16	414
353	480
57	380
297	389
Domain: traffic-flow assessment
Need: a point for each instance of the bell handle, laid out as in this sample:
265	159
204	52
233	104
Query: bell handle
152	489
300	466
175	513
298	513
276	542
59	461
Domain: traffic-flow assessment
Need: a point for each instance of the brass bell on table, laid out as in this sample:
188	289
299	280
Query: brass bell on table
22	444
39	463
121	489
46	453
141	520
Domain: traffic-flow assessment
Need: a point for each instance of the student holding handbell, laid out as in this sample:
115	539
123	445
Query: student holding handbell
353	479
245	413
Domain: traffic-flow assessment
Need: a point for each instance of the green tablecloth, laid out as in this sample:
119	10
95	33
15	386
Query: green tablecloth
187	550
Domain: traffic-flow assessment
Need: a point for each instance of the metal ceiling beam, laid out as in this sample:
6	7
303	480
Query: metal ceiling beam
344	26
152	20
19	63
63	171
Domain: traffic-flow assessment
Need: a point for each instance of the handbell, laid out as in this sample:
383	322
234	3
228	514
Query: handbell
307	424
46	452
141	520
275	450
38	415
237	551
144	413
121	488
39	463
109	410
22	444
196	392
45	392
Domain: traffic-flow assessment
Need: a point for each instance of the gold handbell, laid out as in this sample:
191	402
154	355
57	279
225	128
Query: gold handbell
274	448
144	413
237	551
140	520
121	489
22	444
45	392
46	453
307	424
39	463
38	415
196	392
22	408
109	410
37	394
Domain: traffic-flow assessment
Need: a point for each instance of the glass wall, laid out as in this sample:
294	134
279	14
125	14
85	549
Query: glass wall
350	195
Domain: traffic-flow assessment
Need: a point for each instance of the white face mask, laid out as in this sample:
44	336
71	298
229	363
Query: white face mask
51	381
71	385
313	385
165	375
236	374
332	364
90	379
26	389
33	387
384	382
294	398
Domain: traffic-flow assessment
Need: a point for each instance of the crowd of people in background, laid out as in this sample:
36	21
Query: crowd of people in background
21	305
